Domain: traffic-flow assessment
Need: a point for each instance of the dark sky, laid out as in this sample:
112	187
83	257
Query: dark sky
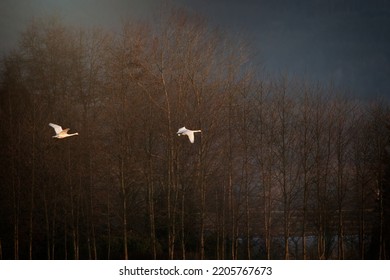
346	41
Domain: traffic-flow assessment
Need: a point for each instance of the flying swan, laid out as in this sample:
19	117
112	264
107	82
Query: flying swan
188	132
61	133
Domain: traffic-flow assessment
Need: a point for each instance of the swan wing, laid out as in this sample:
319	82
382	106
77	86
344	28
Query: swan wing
181	130
56	127
190	135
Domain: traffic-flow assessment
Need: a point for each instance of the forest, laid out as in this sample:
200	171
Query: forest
284	168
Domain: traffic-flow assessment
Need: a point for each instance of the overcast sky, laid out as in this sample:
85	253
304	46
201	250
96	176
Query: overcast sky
346	41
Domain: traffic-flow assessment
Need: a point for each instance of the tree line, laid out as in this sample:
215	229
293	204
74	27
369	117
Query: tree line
283	169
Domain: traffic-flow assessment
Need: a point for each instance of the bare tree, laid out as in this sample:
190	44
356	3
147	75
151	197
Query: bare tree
306	154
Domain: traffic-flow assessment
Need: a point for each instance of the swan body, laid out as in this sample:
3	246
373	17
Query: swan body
61	133
188	132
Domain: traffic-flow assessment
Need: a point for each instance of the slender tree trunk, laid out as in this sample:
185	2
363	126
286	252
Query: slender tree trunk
232	212
246	182
284	182
304	218
53	227
66	238
322	160
124	209
381	248
218	227
47	224
268	219
183	243
340	190
202	188
91	207
108	228
248	224
230	187
73	210
16	193
16	196
32	184
150	181
265	166
362	223
304	159
152	222
172	180
223	221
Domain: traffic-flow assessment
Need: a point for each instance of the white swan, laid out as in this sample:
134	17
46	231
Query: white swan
188	132
61	133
